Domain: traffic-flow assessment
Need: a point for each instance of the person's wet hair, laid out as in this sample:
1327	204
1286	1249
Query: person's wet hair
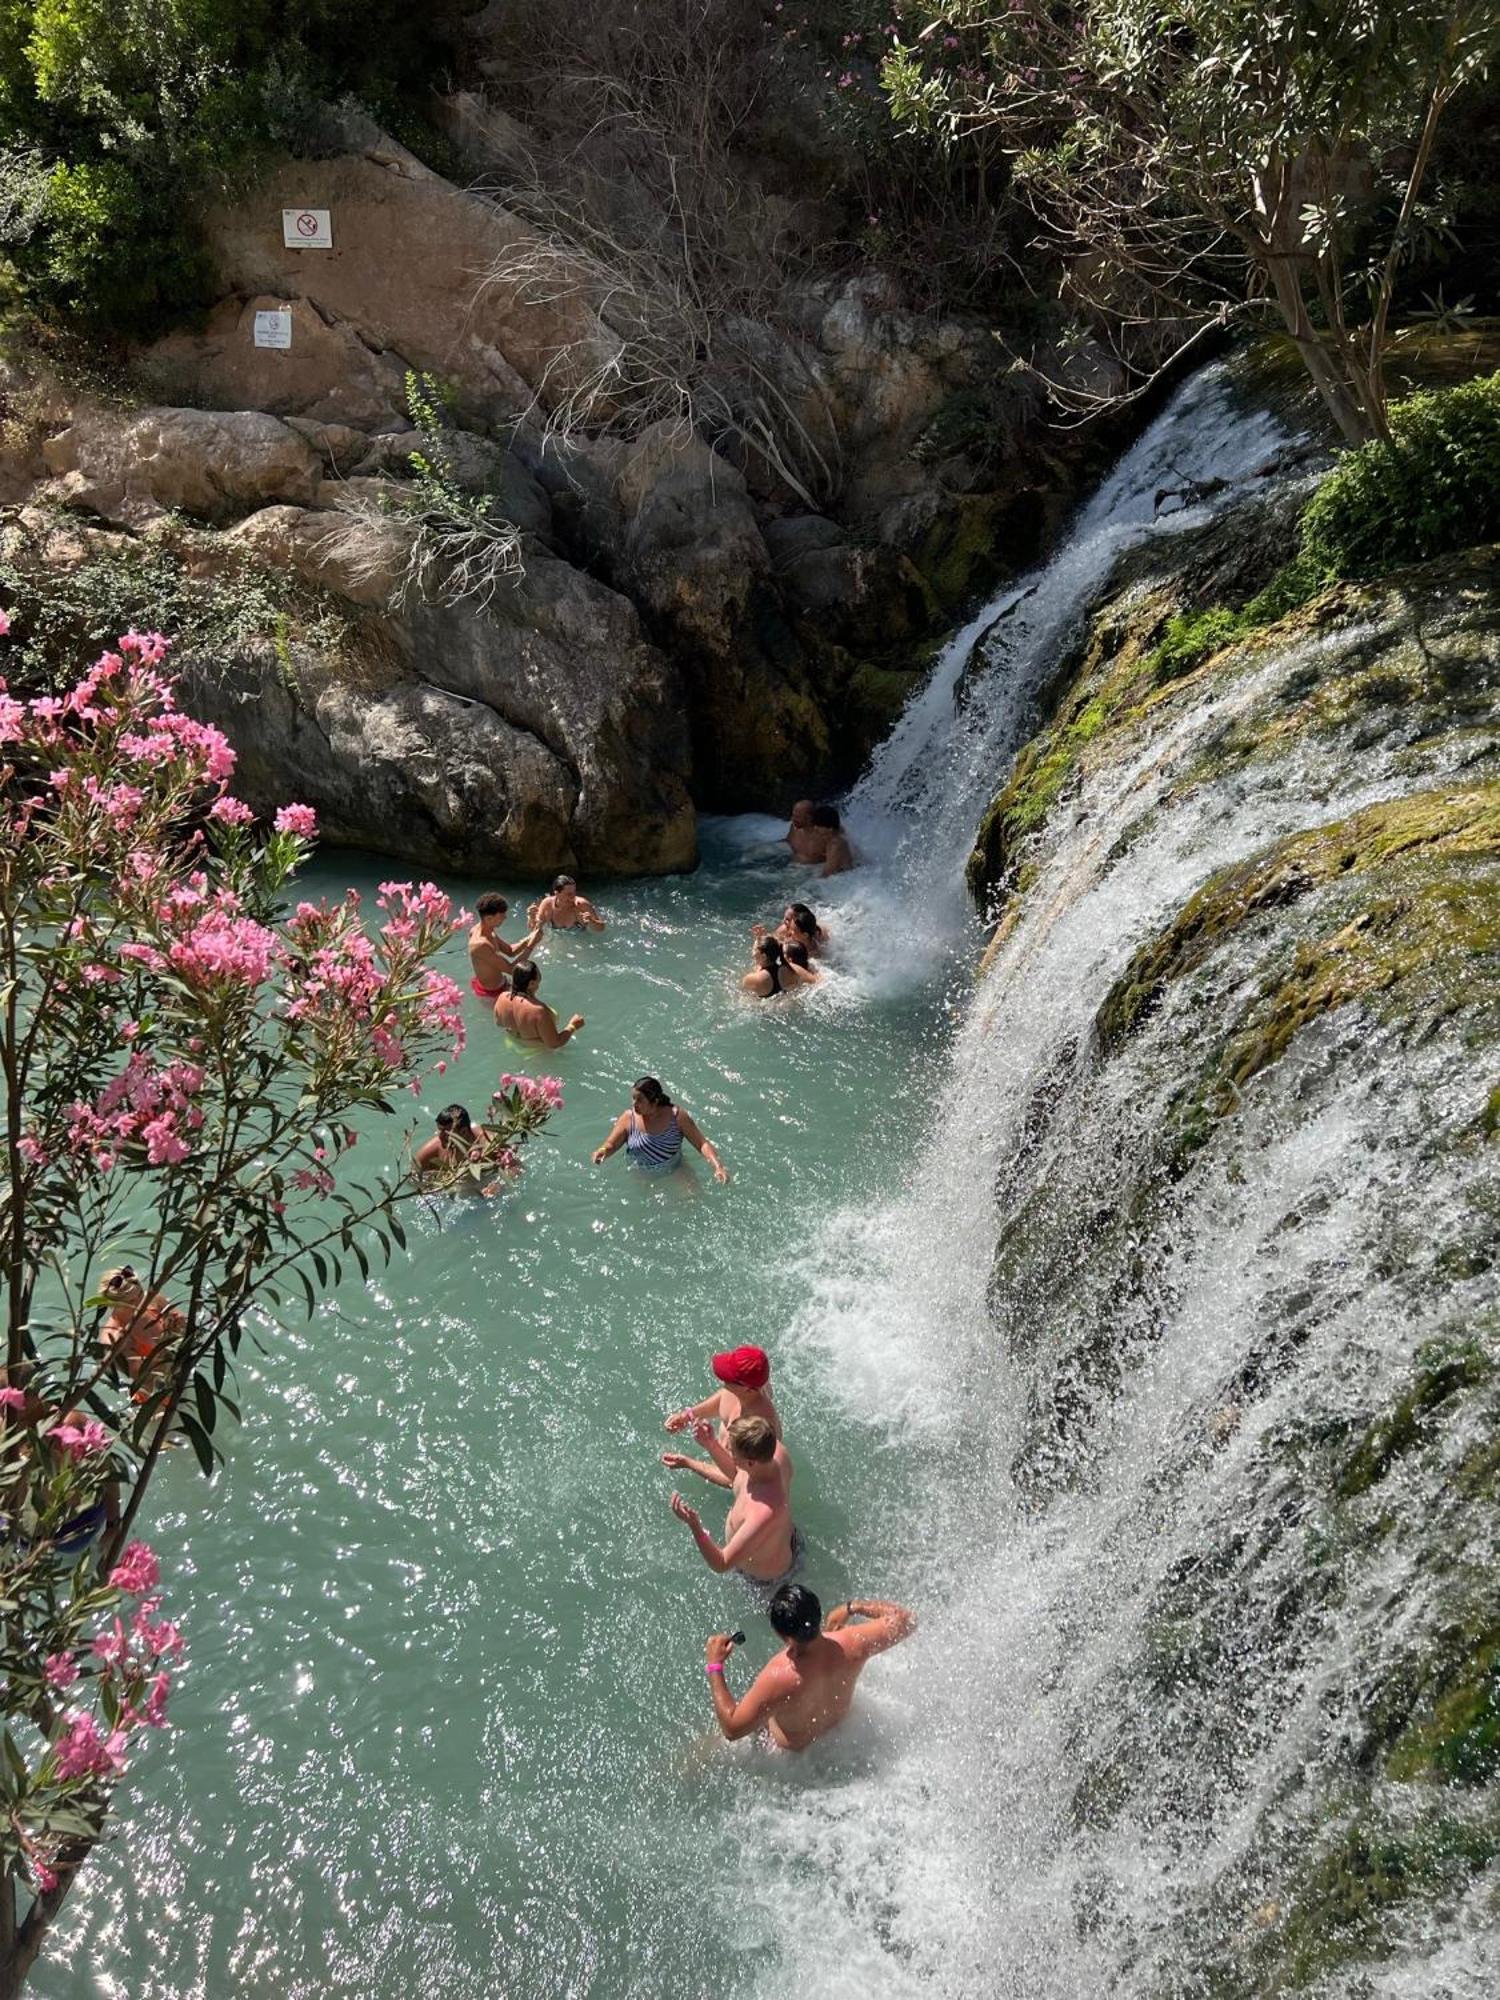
752	1438
524	978
492	904
826	816
804	920
796	954
563	882
795	1613
769	951
455	1118
650	1088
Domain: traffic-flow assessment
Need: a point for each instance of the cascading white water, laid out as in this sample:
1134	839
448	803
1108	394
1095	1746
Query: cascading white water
1128	1716
915	810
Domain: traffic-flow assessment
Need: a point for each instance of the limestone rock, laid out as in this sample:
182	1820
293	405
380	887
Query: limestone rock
329	374
361	557
449	281
128	466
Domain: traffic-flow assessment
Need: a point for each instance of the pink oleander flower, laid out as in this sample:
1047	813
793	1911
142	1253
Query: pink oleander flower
160	1639
45	1878
221	946
313	1182
154	1714
12	1399
112	1647
31	1150
85	1752
60	1671
137	1570
301	820
551	1089
4	623
80	1437
165	1146
230	811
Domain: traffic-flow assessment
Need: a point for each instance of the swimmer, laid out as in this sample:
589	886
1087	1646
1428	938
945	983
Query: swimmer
442	1158
759	1538
139	1328
837	855
797	958
799	926
802	837
491	958
521	1014
565	910
718	1468
808	1688
652	1132
773	974
745	1373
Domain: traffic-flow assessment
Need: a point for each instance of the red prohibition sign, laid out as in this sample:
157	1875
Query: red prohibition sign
307	224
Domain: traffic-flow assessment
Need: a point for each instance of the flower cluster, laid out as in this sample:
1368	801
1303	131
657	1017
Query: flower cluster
142	1107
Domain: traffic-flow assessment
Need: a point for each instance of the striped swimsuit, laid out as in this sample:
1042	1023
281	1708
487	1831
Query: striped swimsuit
656	1152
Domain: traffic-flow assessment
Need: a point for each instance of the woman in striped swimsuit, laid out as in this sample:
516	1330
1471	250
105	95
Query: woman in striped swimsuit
652	1132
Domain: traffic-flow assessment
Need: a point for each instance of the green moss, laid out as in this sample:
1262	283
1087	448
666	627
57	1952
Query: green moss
1457	1740
1382	944
958	558
1444	1374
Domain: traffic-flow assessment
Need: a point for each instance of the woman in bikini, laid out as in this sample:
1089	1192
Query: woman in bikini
652	1132
774	973
565	910
138	1329
799	926
521	1014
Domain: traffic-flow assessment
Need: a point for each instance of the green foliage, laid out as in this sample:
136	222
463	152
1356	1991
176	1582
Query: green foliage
140	112
1191	638
465	548
60	612
1433	488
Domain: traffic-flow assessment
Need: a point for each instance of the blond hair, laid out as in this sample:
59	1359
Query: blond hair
752	1438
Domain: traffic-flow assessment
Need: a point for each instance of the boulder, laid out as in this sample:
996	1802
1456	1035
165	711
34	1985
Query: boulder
448	281
329	374
128	466
361	557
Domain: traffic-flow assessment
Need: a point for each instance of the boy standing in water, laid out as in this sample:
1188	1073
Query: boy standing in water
807	1688
746	1375
759	1539
491	959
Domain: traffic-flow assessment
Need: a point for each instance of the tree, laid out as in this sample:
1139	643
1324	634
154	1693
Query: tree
185	1071
1198	160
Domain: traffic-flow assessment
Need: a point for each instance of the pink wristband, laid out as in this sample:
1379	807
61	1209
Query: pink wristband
713	1667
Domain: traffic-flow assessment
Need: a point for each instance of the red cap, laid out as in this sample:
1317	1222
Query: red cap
743	1368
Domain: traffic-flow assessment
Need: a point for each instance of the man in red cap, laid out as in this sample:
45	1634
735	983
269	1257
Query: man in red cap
746	1374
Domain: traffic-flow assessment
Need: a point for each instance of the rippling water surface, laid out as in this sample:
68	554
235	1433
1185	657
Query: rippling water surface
444	1726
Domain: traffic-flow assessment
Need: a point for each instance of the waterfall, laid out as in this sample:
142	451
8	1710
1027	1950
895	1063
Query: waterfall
1134	1738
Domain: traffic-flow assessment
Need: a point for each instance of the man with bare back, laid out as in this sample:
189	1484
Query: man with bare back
807	1688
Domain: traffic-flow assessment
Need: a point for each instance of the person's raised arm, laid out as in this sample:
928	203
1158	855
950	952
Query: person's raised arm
589	914
678	1461
619	1132
694	1137
532	938
885	1625
680	1419
705	1434
769	1688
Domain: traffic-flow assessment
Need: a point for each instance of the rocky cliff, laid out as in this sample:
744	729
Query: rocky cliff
679	621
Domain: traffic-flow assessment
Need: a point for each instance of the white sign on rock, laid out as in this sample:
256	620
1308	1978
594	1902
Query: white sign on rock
273	329
307	228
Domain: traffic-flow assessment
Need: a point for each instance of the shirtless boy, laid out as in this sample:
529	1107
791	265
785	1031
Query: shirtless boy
565	909
759	1539
491	958
745	1373
807	1688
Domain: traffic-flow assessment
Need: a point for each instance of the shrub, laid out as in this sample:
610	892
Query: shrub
1191	637
1434	487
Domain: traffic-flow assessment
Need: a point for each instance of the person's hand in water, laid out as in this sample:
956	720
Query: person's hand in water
600	1156
721	1172
683	1511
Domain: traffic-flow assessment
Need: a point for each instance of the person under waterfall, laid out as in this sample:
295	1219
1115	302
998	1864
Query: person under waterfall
808	1687
745	1376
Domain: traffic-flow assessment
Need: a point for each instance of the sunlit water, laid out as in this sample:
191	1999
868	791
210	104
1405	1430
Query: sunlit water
445	1726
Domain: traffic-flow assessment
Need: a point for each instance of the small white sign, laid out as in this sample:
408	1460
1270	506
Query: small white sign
307	228
273	329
